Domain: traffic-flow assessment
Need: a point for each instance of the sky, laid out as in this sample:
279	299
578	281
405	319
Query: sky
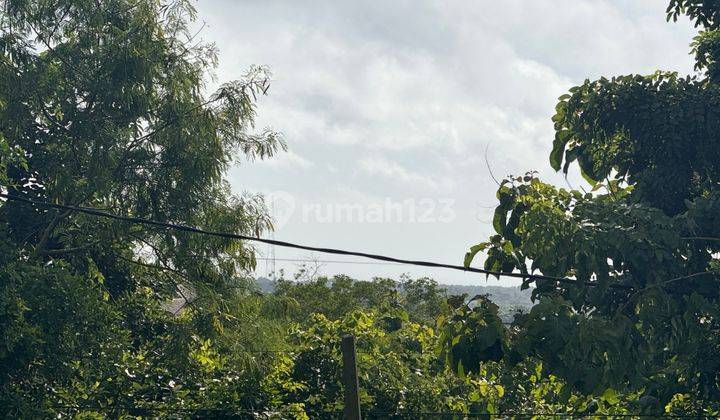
398	114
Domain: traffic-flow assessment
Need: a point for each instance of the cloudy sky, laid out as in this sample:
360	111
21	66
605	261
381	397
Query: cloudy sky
388	109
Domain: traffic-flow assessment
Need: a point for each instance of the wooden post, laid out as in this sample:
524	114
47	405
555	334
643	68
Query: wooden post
350	378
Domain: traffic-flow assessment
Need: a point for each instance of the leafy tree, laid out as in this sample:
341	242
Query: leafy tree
422	299
399	369
105	104
336	296
642	315
411	369
472	334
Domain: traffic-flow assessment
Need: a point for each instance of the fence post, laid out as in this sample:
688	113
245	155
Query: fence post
350	379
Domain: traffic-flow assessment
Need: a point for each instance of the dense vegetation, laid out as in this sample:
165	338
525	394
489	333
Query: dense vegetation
642	315
104	104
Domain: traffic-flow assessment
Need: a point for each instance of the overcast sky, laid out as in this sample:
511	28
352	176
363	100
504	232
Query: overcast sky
388	107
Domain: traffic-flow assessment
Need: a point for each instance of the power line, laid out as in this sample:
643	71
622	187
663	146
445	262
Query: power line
307	260
101	213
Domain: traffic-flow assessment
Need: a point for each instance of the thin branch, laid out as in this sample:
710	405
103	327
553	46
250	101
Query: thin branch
69	250
45	237
153	266
52	50
47	233
700	238
167	124
164	268
58	23
136	141
609	188
487	163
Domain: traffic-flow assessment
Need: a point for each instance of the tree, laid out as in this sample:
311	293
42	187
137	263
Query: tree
402	373
642	314
105	104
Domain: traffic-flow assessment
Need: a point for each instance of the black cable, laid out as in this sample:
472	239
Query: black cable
305	260
138	220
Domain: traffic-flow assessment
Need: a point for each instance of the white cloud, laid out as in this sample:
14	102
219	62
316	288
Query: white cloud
395	172
398	99
285	161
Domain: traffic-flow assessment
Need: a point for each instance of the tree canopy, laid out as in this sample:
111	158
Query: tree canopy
106	104
642	246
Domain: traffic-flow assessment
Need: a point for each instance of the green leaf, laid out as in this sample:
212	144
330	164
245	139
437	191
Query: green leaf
610	396
460	369
499	220
561	140
470	255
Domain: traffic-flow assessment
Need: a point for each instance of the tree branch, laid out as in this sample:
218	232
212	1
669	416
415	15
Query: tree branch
45	237
69	250
632	297
163	268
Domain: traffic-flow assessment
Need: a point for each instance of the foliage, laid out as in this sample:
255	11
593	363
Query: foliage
407	368
423	299
103	104
472	334
641	316
402	363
